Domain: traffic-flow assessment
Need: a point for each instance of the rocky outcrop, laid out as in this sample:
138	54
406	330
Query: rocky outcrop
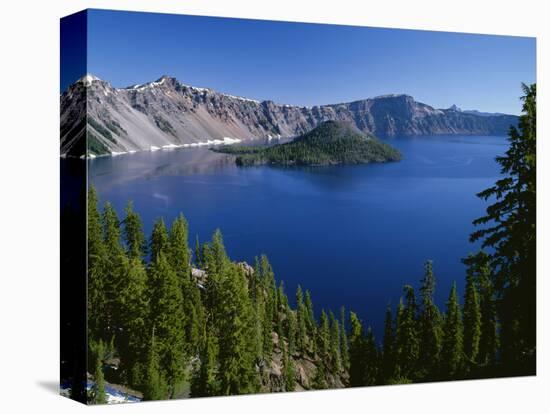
305	371
166	114
306	364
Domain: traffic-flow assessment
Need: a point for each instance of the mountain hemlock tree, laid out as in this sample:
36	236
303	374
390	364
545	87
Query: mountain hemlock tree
134	238
388	363
179	254
159	240
134	301
168	318
319	381
429	325
291	329
96	269
204	382
334	343
302	321
268	283
198	259
344	346
257	297
356	352
323	335
509	229
115	269
478	267
471	319
155	387
281	304
237	374
288	371
311	323
372	361
452	349
407	341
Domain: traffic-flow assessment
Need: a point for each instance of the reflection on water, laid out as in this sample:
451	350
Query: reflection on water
148	165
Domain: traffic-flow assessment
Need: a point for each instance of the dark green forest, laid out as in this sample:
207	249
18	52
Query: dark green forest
330	143
170	320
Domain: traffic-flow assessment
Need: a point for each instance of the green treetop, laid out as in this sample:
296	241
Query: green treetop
134	237
452	350
471	319
159	240
509	229
429	325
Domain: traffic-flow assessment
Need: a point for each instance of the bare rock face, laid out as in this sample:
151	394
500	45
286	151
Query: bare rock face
272	372
305	371
100	119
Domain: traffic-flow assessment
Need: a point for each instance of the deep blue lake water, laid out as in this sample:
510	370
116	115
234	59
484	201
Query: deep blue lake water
352	235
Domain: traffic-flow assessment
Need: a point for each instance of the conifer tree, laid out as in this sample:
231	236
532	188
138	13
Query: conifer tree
344	346
471	319
167	316
452	350
179	257
407	341
257	296
282	304
291	330
134	238
288	371
204	381
429	325
218	254
95	228
323	335
509	230
198	258
388	365
115	268
319	381
478	266
96	268
154	387
334	346
215	263
310	312
268	283
371	359
237	373
179	254
302	320
159	240
356	352
133	302
193	328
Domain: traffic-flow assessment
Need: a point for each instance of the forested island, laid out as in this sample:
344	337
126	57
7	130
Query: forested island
177	321
330	143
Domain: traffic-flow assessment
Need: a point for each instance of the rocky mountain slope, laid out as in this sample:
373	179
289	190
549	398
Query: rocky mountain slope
166	113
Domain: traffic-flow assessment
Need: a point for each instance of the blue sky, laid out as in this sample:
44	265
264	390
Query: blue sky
310	64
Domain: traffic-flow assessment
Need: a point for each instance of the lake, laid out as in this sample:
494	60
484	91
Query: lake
352	235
